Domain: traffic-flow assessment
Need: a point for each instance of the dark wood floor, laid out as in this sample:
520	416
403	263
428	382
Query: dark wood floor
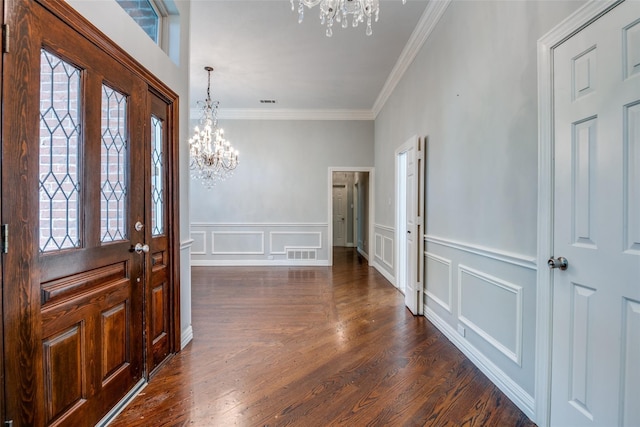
284	346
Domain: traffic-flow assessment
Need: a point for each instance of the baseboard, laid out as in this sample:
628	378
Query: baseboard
363	254
187	337
258	263
385	273
115	411
513	391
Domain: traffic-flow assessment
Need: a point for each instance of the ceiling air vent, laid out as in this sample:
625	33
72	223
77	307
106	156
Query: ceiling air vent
267	101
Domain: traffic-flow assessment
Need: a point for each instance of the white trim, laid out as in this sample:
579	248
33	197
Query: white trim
384	273
509	387
496	254
391	262
186	244
515	354
385	228
258	263
428	21
122	404
186	337
289	114
371	205
546	44
258	224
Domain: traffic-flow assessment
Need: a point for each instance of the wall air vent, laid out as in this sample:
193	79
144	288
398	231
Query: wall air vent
299	254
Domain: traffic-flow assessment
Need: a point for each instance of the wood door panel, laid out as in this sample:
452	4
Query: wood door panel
115	338
65	372
68	287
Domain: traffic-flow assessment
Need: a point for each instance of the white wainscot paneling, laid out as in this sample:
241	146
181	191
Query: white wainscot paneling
387	251
492	308
199	245
439	280
237	242
378	252
630	367
280	241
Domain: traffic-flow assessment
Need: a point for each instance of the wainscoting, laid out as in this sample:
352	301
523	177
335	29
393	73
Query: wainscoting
259	244
384	251
484	301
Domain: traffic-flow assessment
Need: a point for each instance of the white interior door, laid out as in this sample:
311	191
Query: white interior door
339	215
596	300
410	266
410	177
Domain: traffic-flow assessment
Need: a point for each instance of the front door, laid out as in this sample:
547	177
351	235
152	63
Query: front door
596	300
72	195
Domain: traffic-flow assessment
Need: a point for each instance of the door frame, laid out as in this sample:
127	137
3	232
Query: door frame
371	203
581	18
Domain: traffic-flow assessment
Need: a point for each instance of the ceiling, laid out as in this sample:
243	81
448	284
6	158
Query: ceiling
259	51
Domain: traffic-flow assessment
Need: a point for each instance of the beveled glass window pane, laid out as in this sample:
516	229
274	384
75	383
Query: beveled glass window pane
157	173
113	166
59	147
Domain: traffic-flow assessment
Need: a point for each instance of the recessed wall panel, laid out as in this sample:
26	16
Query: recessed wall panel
579	351
492	308
583	182
237	243
632	177
631	367
439	287
199	246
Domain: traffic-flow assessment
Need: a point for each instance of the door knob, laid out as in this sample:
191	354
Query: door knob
560	262
140	248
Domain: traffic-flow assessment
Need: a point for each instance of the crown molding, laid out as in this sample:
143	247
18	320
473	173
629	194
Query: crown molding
289	114
428	21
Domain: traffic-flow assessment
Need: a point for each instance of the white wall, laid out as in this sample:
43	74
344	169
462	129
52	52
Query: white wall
112	20
472	91
278	196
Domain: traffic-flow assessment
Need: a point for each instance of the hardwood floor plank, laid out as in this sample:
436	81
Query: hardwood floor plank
299	346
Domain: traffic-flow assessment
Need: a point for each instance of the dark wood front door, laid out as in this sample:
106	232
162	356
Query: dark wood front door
77	192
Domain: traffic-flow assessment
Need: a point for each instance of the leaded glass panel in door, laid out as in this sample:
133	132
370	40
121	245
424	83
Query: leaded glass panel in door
59	182
157	177
114	162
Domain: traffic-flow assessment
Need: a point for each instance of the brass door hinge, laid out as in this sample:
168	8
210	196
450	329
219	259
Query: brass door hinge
6	37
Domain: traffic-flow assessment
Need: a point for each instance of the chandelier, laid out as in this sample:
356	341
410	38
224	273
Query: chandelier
332	11
212	157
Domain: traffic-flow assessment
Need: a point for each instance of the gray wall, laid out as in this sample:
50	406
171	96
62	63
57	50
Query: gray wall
472	91
278	197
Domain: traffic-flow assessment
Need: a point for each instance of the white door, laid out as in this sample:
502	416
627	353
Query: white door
596	300
339	215
410	266
409	223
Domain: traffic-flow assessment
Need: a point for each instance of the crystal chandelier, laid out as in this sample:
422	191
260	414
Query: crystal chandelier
332	11
212	157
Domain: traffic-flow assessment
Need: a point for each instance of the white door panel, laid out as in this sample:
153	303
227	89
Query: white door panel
339	215
596	316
